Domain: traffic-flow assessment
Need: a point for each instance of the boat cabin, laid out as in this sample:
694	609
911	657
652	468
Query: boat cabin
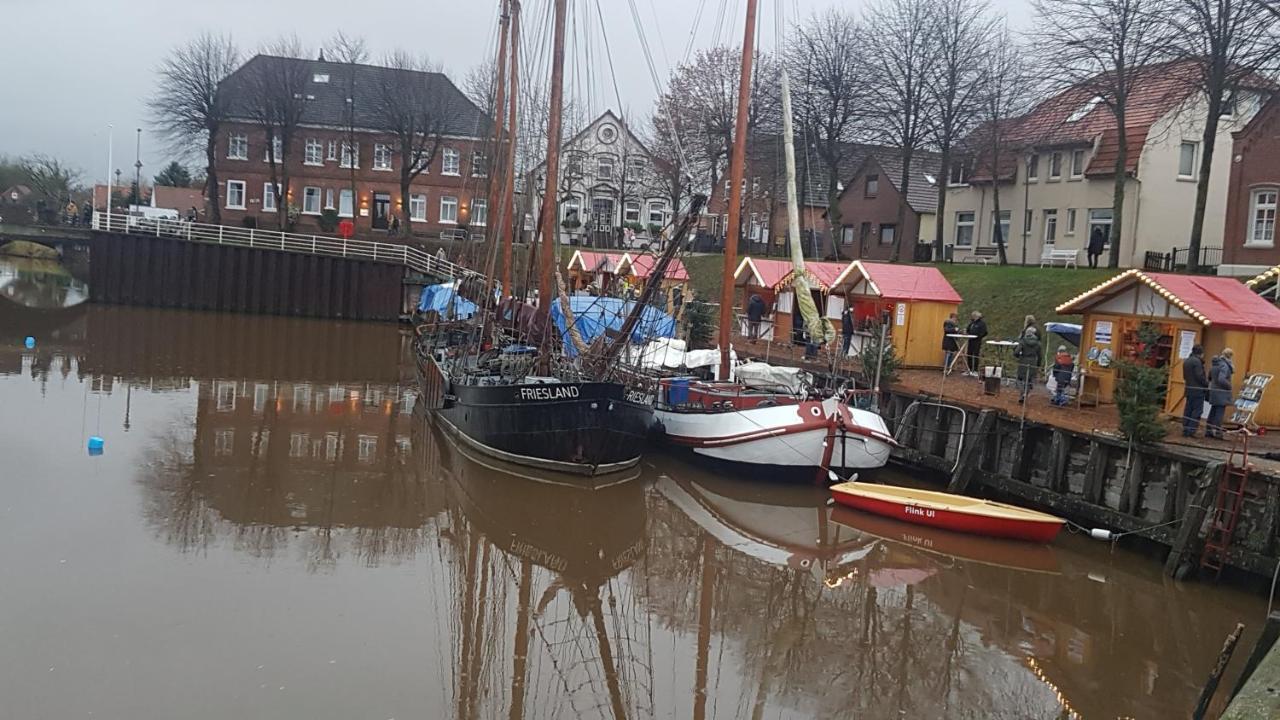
773	281
914	299
1180	311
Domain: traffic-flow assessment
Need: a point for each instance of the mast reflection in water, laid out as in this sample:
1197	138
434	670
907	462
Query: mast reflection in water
275	530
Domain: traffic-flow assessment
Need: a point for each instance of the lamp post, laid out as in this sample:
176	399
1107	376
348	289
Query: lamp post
137	171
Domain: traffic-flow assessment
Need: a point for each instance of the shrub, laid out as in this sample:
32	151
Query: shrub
700	323
873	356
654	229
571	224
328	220
1139	390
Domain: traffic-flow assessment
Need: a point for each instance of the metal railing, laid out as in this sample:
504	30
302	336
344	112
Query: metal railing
395	253
1176	260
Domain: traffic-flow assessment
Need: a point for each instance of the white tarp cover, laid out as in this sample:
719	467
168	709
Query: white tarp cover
662	353
763	376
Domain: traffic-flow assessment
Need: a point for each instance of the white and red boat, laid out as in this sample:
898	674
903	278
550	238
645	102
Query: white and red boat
738	423
948	511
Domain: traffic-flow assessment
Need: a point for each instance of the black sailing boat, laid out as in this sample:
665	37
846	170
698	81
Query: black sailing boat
518	400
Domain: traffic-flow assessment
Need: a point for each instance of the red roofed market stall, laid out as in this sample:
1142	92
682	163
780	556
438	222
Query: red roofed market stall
916	298
586	267
772	281
1216	312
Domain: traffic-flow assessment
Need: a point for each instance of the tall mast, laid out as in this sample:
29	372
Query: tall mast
506	225
819	330
495	168
547	253
736	171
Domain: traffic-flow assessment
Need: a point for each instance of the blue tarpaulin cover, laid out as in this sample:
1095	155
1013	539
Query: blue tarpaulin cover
592	315
1068	331
439	298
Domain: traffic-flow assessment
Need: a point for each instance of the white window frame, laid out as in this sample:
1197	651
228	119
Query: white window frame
1251	239
1055	165
481	161
332	153
1028	217
964	224
269	196
382	157
241	185
1195	155
1007	225
450	162
346	199
313	153
660	212
448	210
572	208
418	207
276	144
320	77
871	186
1071	223
1110	223
1033	167
1077	170
638	165
349	155
237	146
604	167
958	176
631	212
893	235
1050	227
307	193
328	199
479	212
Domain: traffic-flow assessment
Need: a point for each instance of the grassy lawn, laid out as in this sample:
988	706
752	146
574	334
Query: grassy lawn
1005	295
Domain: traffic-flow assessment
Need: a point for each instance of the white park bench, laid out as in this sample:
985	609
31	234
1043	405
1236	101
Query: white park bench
1053	255
982	254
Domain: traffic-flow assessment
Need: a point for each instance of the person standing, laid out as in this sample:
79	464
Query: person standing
950	347
755	313
1220	372
846	329
1197	387
1064	366
1097	241
1028	354
978	329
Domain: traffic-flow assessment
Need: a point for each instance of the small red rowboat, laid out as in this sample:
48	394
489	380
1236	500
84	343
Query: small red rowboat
952	512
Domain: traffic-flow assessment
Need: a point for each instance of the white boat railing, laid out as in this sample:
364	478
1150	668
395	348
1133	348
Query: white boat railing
411	257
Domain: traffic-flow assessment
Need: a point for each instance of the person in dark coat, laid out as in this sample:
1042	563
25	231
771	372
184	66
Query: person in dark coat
950	347
1197	388
755	313
1028	354
846	328
978	329
1097	241
1220	372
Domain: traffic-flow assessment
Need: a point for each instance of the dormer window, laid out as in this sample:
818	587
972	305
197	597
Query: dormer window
320	78
1085	109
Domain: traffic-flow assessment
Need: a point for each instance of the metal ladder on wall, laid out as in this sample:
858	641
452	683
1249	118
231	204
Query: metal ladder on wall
1226	506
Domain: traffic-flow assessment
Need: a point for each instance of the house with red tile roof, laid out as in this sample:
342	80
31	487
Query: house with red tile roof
1249	233
1056	176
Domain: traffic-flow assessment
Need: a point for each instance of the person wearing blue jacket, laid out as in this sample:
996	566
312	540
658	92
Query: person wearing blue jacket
1220	372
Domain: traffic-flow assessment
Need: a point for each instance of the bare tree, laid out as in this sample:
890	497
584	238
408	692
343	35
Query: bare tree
962	31
1103	47
276	84
829	96
350	51
479	85
672	170
902	55
1004	91
412	108
1229	43
188	111
51	183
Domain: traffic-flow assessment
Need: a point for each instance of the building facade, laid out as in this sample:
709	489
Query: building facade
1249	231
344	163
1055	176
870	201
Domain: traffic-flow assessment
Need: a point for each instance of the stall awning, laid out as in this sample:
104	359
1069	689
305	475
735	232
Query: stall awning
898	282
777	274
589	261
1208	299
641	264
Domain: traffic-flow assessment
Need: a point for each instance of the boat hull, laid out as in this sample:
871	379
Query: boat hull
937	514
808	434
585	428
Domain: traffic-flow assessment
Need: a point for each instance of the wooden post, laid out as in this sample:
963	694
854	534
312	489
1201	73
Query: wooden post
1266	641
1174	492
1058	461
1187	542
971	453
1094	471
1132	482
1215	675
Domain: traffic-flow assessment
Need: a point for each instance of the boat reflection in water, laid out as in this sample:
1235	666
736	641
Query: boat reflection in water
41	284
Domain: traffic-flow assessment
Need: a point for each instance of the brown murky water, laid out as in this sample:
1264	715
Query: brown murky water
272	532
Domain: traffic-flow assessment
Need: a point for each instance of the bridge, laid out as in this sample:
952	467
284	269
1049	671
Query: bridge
198	266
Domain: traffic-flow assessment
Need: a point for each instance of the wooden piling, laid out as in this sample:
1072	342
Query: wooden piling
1187	543
1215	675
1266	642
971	453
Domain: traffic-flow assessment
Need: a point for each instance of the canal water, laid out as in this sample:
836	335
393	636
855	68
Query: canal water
273	531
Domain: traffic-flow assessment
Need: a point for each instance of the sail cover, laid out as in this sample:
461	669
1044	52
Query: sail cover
763	376
592	316
444	299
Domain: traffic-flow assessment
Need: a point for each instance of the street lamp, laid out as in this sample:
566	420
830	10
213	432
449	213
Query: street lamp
110	162
137	171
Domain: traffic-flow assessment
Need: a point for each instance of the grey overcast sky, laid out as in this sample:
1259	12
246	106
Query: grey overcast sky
71	67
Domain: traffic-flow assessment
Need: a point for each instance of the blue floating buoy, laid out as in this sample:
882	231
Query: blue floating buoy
95	445
30	342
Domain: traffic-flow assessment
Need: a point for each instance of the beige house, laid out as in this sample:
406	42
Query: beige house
1056	175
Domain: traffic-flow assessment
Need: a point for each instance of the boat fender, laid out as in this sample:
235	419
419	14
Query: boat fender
1102	534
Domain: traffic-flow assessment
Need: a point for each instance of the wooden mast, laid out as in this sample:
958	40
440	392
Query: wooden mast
737	160
520	656
506	226
706	596
547	253
495	181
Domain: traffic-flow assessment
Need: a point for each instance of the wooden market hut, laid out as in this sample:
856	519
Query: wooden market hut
637	267
772	281
1267	284
1216	312
917	299
586	266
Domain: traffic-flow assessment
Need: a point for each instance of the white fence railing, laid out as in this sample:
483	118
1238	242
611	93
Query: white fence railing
410	257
